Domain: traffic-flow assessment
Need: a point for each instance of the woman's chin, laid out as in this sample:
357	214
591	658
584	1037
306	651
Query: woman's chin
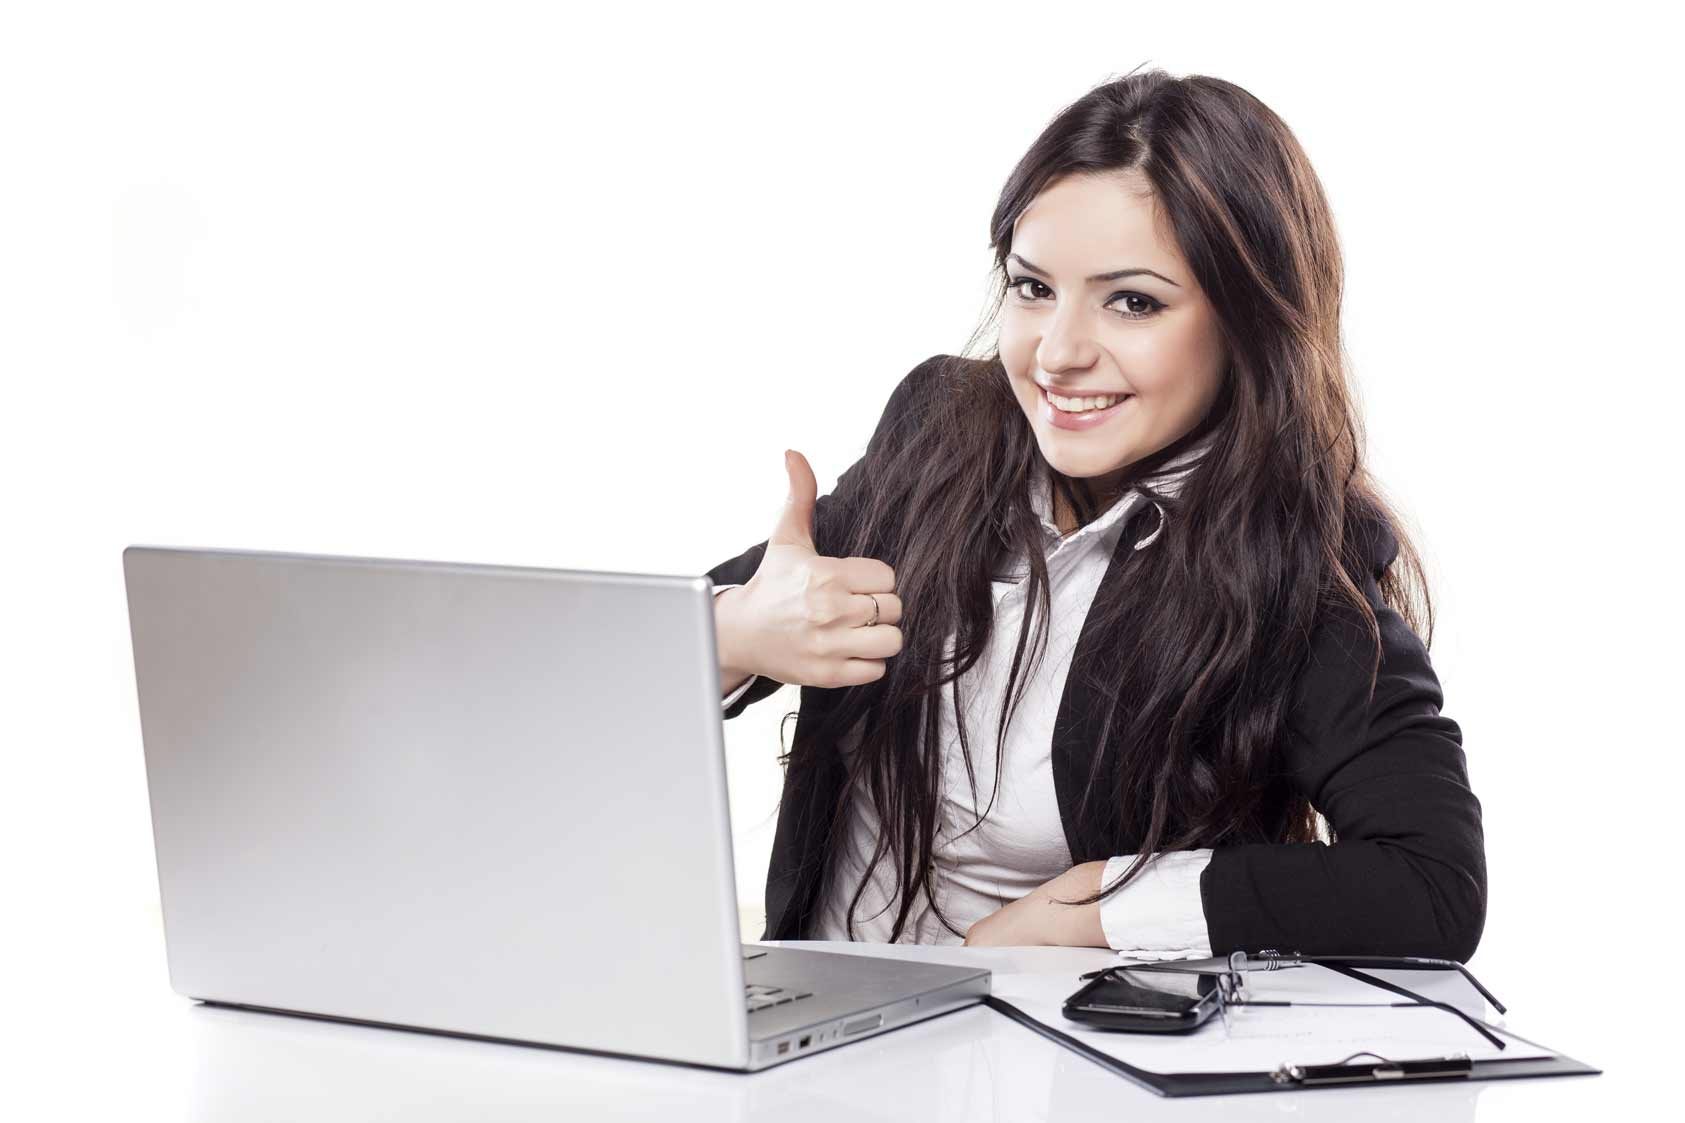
1084	466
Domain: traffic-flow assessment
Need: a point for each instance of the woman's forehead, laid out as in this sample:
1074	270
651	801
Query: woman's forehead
1082	226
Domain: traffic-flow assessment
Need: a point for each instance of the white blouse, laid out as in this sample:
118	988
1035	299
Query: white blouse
1020	842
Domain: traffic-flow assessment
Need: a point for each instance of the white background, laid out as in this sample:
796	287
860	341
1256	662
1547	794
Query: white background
550	285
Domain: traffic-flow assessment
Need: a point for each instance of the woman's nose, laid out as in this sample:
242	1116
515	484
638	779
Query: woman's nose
1068	342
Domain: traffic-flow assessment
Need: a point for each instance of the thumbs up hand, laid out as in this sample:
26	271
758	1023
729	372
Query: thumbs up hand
804	618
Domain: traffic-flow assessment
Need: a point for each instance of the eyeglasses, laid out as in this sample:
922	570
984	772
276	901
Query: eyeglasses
1231	980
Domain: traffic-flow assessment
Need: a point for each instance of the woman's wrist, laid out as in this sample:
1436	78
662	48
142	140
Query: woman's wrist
726	632
1079	926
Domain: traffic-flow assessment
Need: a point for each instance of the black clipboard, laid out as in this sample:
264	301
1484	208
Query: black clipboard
1377	1070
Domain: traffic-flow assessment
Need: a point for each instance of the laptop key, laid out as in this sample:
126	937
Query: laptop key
765	1002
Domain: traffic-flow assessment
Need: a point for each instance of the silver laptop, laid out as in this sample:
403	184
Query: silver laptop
475	800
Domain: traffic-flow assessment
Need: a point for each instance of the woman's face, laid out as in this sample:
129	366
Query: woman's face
1101	303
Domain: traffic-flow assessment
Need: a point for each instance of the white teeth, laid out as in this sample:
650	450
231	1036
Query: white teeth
1082	405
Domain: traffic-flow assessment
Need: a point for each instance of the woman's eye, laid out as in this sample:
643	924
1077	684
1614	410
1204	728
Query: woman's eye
1136	305
1147	308
1017	285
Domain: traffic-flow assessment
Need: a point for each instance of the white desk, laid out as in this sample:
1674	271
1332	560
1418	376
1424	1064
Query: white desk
154	1054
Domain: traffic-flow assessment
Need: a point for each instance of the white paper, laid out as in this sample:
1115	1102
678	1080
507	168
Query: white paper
1260	1038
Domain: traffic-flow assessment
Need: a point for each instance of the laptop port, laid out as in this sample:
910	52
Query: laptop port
783	1047
805	1041
861	1025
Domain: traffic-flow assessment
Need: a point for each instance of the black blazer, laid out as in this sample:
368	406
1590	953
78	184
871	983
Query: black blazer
1407	874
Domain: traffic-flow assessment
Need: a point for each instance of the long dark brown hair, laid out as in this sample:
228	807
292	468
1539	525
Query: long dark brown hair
1210	629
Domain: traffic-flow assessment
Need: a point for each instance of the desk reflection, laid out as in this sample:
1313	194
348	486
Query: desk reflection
972	1065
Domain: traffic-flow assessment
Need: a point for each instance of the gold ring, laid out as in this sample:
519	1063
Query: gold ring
874	618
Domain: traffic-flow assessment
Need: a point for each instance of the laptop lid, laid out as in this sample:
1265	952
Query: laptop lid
474	799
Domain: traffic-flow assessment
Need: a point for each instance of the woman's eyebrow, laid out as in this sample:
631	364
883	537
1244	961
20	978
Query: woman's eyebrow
1117	275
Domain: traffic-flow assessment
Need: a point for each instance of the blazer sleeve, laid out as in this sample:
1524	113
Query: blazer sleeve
833	512
1406	874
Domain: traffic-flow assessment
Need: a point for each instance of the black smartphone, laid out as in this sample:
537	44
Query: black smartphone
1148	1002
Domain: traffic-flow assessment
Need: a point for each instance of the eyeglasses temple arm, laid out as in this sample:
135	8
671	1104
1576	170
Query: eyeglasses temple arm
1407	961
1396	989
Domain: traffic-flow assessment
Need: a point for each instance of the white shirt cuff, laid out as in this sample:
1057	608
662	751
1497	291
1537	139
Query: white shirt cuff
1159	915
725	703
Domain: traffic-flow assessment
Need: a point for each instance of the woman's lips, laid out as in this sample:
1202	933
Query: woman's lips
1087	419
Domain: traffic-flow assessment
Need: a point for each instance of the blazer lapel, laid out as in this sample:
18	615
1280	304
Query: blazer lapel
1097	832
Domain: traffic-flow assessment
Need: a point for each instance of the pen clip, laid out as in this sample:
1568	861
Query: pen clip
1458	1064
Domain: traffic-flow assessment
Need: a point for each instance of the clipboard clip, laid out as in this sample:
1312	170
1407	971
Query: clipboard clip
1457	1064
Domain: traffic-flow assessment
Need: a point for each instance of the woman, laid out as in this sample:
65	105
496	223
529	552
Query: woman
1136	549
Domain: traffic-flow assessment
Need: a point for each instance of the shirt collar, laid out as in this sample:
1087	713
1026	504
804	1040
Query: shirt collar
1174	473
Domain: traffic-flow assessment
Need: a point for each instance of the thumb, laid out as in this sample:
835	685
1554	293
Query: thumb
795	522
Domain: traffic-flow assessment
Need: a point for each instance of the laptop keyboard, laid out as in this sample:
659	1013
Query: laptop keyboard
759	997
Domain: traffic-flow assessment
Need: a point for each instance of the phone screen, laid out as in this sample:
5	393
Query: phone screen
1167	995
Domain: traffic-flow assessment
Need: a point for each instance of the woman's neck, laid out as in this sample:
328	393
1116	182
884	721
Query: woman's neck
1065	517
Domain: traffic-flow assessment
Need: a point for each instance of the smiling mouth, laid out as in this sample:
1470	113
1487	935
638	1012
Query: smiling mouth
1117	400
